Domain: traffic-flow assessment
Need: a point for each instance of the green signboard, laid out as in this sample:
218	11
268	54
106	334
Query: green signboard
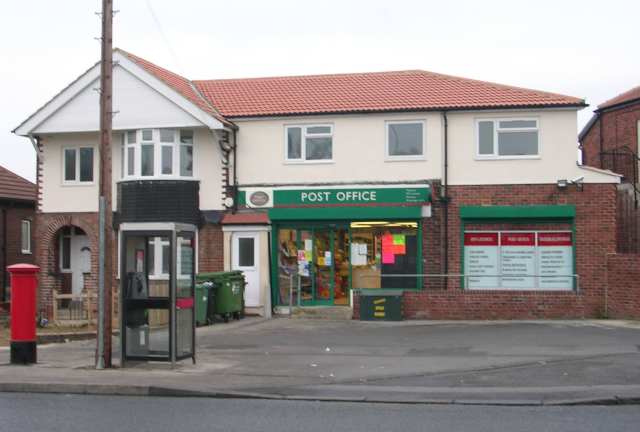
350	196
358	202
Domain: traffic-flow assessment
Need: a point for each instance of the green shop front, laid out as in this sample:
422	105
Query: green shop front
327	242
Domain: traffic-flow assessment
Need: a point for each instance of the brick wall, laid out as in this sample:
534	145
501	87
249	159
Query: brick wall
15	214
48	226
623	286
595	238
210	248
619	129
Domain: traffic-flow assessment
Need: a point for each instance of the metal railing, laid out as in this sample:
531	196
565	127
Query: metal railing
466	278
293	293
625	161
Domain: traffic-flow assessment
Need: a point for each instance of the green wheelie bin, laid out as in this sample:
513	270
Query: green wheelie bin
202	302
229	293
205	303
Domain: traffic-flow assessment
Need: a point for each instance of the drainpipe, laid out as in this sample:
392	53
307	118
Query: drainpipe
444	197
4	254
601	139
235	169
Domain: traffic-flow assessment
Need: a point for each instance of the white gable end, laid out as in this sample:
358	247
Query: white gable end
137	105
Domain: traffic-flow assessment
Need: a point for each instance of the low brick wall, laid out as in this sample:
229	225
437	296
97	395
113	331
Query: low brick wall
595	239
623	286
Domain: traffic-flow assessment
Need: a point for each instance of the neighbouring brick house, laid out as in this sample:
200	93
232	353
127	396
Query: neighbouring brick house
17	211
611	140
463	195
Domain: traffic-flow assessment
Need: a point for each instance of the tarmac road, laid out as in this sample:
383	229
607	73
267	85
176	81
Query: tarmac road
71	413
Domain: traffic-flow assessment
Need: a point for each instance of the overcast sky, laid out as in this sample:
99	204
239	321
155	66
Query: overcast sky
581	48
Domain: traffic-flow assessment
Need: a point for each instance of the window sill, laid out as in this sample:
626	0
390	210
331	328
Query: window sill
521	290
154	178
25	252
309	162
78	183
499	158
404	158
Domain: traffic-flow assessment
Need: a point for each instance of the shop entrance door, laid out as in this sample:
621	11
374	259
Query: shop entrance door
324	274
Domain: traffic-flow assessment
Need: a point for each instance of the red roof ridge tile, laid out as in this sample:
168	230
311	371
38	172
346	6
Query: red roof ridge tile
625	96
322	75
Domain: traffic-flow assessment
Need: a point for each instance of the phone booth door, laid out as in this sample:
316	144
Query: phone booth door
184	299
146	296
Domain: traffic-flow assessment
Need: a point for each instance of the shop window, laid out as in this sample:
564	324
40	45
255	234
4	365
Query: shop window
158	153
405	140
507	138
384	254
311	143
518	260
78	165
320	264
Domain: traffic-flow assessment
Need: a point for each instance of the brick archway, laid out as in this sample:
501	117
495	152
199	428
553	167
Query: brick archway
48	227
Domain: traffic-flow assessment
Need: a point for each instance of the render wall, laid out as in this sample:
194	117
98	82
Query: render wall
359	151
57	196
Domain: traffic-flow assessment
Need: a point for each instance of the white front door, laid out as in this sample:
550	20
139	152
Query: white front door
244	252
79	251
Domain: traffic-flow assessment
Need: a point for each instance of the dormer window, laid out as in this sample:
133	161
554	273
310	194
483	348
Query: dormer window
157	153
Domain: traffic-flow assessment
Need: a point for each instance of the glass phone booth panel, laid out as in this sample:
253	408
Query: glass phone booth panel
157	295
185	285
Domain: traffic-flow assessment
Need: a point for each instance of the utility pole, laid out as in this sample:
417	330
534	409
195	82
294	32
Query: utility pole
103	349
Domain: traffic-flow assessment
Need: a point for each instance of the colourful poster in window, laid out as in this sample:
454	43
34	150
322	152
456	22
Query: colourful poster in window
518	260
388	258
555	260
481	260
398	239
301	256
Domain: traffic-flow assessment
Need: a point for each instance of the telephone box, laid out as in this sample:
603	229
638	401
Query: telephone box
157	281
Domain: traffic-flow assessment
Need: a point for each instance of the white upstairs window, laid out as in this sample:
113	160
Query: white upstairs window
309	143
507	138
77	165
405	140
157	153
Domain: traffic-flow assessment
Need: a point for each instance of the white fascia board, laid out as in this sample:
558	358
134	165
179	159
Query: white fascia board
58	101
165	90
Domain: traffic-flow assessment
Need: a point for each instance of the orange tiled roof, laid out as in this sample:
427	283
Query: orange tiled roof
359	92
14	187
627	96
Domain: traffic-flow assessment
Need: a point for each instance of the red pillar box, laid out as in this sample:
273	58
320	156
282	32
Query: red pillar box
23	313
